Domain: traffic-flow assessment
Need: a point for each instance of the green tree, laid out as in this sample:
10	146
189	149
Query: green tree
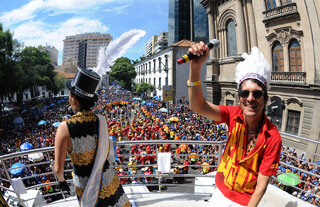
123	71
8	54
35	69
144	88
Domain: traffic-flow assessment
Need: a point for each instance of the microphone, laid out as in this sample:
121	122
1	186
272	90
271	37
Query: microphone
186	58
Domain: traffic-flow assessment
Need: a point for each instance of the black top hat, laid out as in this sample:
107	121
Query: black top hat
84	84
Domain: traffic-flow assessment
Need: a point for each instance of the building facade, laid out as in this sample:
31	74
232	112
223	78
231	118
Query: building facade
148	47
187	20
287	33
53	52
161	43
92	42
161	69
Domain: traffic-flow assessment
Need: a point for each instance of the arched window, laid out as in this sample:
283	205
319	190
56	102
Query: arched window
231	38
270	4
277	58
295	56
285	2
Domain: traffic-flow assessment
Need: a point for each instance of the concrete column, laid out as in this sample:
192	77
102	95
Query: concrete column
221	43
252	24
225	48
212	28
285	57
241	29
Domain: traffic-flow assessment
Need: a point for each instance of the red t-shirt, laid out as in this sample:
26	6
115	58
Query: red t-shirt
237	173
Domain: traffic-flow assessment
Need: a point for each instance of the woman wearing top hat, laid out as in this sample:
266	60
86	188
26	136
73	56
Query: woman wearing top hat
85	138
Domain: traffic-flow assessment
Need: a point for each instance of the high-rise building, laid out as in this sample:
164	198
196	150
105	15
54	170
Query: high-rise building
187	20
53	52
149	46
161	43
92	41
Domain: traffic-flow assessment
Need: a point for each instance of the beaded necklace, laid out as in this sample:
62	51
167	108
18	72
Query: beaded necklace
252	138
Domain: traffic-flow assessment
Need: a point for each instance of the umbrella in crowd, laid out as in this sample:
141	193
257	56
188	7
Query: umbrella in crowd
19	167
137	99
26	146
163	110
149	104
173	119
289	178
41	122
18	120
158	99
56	124
154	97
143	102
35	157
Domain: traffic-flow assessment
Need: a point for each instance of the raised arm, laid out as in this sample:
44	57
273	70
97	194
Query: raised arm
196	99
60	149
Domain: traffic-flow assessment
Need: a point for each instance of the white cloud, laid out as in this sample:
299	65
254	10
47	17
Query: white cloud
119	9
29	10
23	13
34	33
74	4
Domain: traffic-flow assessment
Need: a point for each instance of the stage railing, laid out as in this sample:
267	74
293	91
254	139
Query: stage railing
8	160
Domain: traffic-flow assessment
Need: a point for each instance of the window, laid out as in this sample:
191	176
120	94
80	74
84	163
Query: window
293	121
231	38
166	81
295	56
229	103
159	64
159	86
166	63
285	2
275	111
154	82
154	66
150	67
270	4
277	58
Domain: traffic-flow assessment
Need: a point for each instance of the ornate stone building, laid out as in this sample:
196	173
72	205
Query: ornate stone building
287	32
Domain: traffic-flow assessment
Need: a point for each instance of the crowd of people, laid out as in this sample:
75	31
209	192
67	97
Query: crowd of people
131	119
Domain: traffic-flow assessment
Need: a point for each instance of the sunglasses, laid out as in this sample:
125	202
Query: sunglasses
256	93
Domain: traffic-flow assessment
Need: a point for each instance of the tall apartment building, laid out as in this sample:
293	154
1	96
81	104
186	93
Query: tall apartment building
287	33
187	20
53	52
149	45
92	41
161	43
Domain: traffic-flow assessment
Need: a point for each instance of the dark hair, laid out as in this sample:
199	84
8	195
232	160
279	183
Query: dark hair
84	103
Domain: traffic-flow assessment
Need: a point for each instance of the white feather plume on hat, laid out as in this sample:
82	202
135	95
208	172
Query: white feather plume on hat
255	66
116	48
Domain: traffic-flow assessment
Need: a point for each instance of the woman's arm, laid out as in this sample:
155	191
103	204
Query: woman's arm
60	149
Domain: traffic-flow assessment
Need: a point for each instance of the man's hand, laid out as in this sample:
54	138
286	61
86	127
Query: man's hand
64	187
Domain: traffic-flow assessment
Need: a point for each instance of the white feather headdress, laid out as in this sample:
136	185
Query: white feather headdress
116	48
254	66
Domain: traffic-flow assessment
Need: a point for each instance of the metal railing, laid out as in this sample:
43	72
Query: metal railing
5	162
157	177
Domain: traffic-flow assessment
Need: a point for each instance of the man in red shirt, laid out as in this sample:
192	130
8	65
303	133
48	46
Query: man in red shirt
252	152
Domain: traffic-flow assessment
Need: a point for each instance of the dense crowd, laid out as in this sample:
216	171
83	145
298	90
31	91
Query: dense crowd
132	118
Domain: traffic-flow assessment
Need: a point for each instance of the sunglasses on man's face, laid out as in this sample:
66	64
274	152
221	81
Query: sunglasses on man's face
256	93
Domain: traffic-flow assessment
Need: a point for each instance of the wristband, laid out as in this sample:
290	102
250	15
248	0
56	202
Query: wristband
190	84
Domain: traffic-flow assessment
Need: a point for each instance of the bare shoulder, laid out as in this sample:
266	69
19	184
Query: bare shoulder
62	131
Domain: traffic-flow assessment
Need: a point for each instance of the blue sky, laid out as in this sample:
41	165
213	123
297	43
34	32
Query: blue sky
47	22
